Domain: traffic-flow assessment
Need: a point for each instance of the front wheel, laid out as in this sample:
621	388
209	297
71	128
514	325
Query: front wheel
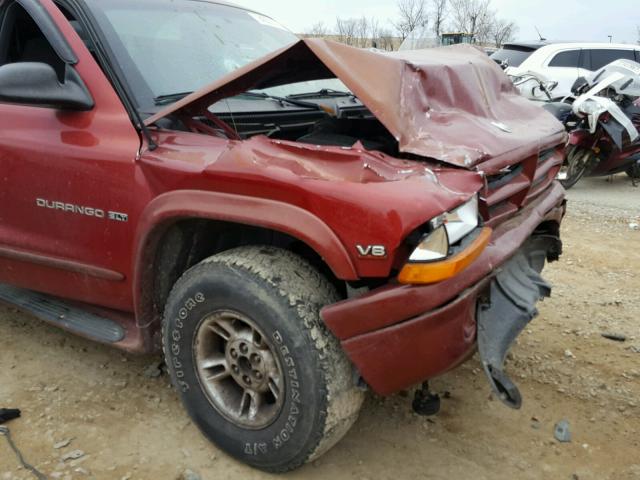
634	171
575	166
255	367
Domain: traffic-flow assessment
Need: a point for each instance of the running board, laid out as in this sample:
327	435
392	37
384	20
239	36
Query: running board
62	315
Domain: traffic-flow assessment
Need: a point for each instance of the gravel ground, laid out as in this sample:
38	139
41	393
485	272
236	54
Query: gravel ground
77	395
606	195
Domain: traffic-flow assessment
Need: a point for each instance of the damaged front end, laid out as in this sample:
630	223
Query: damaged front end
417	136
508	307
450	105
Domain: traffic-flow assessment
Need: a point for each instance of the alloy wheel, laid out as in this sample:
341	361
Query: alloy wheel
238	369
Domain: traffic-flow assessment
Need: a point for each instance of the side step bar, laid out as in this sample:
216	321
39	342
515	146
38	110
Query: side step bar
58	313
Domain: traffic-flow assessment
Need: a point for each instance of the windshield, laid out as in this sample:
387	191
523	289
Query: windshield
170	48
512	55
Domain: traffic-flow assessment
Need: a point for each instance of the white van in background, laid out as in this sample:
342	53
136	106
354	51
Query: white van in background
561	62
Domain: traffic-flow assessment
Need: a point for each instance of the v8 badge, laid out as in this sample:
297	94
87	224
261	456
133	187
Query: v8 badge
372	251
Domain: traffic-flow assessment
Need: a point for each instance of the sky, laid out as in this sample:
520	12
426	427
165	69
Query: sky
576	20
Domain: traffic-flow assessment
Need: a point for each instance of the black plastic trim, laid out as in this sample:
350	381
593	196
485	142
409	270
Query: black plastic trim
61	314
508	309
36	84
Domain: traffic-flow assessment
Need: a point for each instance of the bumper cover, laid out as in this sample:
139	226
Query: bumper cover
508	309
400	335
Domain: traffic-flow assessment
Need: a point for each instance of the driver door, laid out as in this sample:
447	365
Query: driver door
66	177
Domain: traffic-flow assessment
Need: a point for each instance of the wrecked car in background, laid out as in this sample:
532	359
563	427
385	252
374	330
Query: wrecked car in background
317	221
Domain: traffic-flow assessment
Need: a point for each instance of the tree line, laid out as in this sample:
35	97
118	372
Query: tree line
474	17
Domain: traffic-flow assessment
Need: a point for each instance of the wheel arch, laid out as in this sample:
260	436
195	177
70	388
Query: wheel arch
188	208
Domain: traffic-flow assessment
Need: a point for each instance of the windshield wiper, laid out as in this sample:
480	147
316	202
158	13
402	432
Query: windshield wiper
170	98
325	92
282	100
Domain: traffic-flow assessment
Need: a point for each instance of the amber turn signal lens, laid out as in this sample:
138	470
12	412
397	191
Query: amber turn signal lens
426	273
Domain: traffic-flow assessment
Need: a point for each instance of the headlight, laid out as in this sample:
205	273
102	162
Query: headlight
434	246
447	229
430	261
462	221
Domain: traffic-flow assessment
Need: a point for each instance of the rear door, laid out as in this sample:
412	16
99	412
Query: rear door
67	203
596	58
563	67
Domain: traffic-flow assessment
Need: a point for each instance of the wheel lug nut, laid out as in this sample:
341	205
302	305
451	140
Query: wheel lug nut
235	368
234	353
257	374
247	380
255	359
243	348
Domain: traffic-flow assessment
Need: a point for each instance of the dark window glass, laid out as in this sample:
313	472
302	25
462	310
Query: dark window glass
21	40
602	57
513	55
569	58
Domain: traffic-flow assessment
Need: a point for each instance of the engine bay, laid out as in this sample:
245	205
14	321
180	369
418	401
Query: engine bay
340	121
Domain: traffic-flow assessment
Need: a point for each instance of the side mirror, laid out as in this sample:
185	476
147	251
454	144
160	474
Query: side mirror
37	84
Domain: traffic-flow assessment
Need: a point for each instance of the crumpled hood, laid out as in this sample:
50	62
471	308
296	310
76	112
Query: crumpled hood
451	104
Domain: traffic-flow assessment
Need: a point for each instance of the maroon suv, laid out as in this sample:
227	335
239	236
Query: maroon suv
317	222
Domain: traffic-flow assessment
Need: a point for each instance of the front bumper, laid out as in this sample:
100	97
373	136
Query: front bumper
400	335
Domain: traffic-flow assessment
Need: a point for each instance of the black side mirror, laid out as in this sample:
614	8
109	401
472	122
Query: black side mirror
37	84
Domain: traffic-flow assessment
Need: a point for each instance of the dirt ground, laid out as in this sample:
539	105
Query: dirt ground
130	426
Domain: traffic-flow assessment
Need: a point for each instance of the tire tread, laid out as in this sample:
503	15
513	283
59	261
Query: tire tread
305	290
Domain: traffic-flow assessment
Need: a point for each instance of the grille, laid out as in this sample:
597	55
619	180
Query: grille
514	187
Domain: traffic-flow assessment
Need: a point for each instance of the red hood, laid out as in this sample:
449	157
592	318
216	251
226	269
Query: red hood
451	104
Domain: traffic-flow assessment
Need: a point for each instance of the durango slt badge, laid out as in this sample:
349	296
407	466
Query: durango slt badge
81	210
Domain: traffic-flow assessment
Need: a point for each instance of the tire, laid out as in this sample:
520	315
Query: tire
270	299
634	171
578	160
